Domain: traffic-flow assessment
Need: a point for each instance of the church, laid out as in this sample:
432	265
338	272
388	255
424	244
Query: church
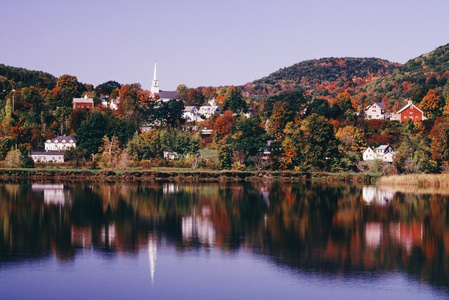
162	95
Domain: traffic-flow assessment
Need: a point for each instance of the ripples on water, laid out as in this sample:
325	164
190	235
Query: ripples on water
225	241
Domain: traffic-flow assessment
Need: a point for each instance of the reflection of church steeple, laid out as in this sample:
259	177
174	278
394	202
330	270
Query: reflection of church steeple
155	84
152	254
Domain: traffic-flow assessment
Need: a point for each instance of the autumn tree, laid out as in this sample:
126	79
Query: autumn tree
440	141
67	88
110	151
431	104
222	125
128	99
313	141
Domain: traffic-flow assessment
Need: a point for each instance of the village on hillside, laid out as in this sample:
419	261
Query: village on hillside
331	128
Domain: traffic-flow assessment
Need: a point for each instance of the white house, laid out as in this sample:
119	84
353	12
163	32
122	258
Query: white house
383	152
54	149
60	143
191	114
208	111
47	156
375	111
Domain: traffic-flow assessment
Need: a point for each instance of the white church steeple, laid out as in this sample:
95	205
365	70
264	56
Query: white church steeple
155	84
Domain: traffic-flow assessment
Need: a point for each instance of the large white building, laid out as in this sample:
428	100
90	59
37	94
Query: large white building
383	152
54	149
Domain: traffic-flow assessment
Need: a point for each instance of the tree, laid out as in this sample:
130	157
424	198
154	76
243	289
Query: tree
76	155
314	142
440	141
106	88
12	159
431	104
166	113
67	88
222	125
278	120
234	99
128	99
110	151
91	131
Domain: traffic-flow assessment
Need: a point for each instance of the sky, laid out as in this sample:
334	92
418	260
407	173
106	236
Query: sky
210	42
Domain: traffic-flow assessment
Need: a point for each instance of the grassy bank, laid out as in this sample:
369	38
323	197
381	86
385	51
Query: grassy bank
179	175
427	181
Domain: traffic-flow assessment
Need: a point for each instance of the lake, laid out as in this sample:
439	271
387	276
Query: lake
221	241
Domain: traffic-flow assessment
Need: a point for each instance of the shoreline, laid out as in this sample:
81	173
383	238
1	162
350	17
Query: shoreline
181	176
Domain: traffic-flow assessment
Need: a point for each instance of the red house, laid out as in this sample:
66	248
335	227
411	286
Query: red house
409	112
83	102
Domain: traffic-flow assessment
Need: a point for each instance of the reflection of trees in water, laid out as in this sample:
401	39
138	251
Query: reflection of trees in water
309	227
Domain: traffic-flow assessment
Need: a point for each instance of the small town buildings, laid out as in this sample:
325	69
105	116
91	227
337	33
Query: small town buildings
60	143
375	111
163	96
208	111
383	152
47	156
409	112
191	114
171	155
54	149
84	102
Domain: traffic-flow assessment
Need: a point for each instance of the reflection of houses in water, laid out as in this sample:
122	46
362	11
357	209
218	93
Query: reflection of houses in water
152	254
81	237
107	235
406	234
199	227
53	193
372	195
373	234
170	188
265	195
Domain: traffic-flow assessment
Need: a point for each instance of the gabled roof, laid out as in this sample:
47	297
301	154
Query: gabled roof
380	104
410	104
189	108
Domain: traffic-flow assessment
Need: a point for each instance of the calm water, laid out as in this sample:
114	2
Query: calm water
221	241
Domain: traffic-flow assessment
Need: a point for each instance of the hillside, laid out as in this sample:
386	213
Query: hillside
412	80
12	77
323	78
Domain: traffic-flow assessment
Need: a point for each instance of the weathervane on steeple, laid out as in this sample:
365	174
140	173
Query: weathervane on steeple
155	84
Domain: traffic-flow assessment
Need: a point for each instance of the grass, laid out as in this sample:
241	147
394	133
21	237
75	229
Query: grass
435	181
210	154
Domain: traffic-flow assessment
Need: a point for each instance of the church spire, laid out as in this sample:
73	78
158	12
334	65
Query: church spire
155	84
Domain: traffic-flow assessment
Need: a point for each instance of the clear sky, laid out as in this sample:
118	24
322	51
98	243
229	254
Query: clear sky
210	42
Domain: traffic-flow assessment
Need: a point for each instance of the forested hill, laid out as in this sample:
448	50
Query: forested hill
324	78
412	80
12	77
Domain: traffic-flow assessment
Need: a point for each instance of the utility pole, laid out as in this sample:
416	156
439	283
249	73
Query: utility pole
13	91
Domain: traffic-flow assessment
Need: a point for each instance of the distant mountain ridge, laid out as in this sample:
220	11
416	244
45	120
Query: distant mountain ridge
324	78
411	80
19	77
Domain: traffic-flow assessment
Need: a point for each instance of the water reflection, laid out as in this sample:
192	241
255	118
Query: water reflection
338	230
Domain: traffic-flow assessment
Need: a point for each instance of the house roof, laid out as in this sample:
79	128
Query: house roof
189	108
380	104
40	152
410	104
60	139
83	100
169	95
